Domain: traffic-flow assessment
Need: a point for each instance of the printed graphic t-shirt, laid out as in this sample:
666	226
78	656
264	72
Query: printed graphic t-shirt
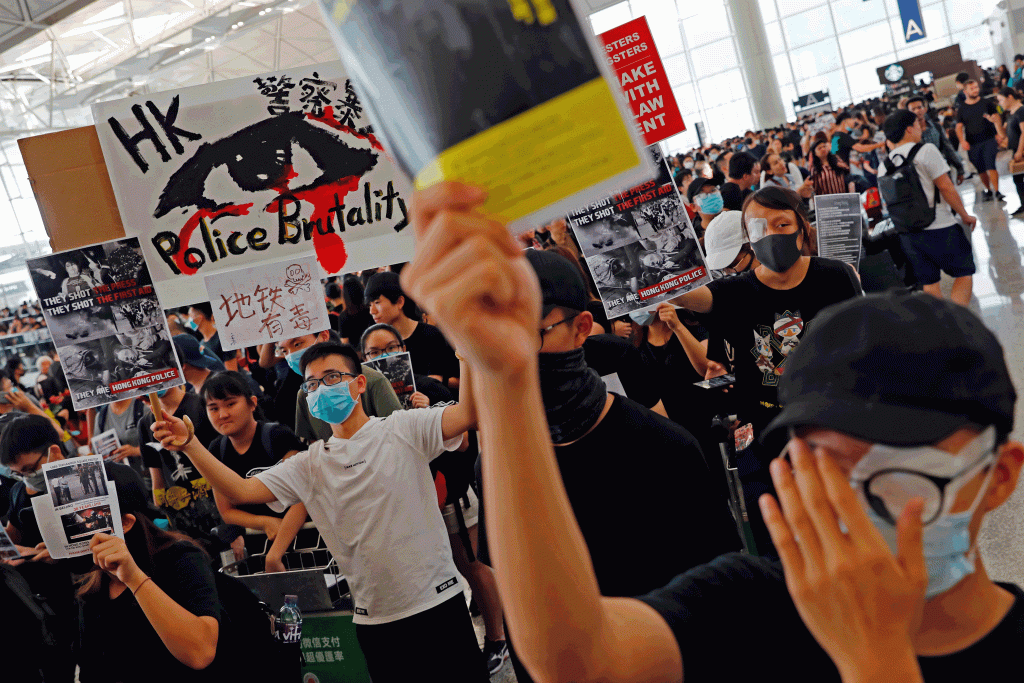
374	501
764	325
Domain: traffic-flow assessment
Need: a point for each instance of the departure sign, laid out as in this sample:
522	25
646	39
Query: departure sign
630	51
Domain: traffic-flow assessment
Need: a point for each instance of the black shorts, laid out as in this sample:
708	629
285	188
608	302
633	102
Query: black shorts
983	155
930	251
436	645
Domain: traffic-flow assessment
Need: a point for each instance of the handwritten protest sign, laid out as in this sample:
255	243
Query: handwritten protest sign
267	303
106	322
639	245
237	172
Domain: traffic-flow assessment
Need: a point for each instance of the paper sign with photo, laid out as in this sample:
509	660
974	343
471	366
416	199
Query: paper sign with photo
81	503
106	443
268	302
398	369
8	551
106	322
639	245
262	168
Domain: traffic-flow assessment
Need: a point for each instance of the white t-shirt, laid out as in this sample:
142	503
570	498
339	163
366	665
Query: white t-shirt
930	165
374	502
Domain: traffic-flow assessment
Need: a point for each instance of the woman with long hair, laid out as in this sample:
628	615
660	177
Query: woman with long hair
355	317
829	175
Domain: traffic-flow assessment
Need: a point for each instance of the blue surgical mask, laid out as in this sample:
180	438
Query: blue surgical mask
294	360
710	203
163	392
191	324
332	404
643	318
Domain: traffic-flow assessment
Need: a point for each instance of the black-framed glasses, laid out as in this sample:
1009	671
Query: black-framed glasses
545	330
393	347
329	379
35	467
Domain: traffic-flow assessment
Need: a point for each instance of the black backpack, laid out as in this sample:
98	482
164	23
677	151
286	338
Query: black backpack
904	196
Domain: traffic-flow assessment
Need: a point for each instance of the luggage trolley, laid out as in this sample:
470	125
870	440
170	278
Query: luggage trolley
723	431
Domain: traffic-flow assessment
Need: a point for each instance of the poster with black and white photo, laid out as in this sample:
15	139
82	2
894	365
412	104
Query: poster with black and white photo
81	503
8	551
106	322
398	369
105	444
639	245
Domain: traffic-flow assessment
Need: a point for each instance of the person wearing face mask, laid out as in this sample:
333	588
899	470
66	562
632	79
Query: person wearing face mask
762	314
705	200
368	490
843	141
200	319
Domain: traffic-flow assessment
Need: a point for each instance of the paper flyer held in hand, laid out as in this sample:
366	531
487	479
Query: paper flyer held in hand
257	169
105	444
397	368
106	322
81	503
268	303
8	551
640	246
514	97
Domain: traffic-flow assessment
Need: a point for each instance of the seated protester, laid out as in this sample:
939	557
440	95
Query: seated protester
28	442
369	492
594	303
200	319
623	371
355	316
705	200
381	340
864	593
156	591
379	399
179	489
431	355
744	171
248	444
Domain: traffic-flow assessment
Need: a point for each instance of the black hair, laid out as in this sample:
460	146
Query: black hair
331	348
205	308
741	164
842	117
227	384
12	365
332	290
780	199
27	434
1010	92
897	123
376	328
963	77
917	98
352	292
383	285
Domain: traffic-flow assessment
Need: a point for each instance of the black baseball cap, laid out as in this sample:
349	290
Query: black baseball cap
560	281
899	369
696	185
189	351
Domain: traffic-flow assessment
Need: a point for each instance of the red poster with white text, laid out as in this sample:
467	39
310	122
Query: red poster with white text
630	51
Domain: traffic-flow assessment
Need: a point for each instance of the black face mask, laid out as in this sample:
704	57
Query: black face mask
778	253
573	394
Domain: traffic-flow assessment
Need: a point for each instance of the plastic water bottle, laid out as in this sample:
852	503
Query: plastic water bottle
288	625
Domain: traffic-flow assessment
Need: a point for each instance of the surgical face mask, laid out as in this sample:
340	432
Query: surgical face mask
37	480
294	360
710	203
643	318
191	324
687	164
332	404
887	478
163	392
778	253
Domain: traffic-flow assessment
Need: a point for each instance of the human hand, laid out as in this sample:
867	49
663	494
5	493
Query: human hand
238	548
966	145
667	314
970	221
19	400
860	602
959	178
473	279
110	554
126	451
274	563
173	433
271	527
420	400
715	369
1018	156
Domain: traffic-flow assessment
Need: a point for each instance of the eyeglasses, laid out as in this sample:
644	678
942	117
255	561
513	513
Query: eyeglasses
545	330
35	466
329	379
393	347
734	267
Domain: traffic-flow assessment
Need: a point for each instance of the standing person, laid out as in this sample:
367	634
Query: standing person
943	246
200	319
891	380
369	492
843	141
933	133
1018	71
980	130
829	175
1010	100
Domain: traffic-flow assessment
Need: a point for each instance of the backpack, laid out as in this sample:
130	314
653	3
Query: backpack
250	651
904	196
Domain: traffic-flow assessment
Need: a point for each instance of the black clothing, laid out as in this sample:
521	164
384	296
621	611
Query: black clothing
213	346
842	145
596	309
352	326
430	352
977	128
281	439
609	354
703	606
1013	129
119	643
432	389
733	196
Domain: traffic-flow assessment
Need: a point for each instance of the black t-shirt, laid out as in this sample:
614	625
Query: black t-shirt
733	196
21	515
704	606
432	389
644	499
844	146
430	352
136	653
763	325
1013	129
977	128
351	326
609	354
281	439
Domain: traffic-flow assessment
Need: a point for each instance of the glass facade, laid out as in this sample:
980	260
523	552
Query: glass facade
833	45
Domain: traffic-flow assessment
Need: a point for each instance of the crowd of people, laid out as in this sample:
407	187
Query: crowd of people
567	466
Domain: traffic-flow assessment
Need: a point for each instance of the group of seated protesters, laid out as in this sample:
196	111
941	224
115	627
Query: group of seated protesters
23	318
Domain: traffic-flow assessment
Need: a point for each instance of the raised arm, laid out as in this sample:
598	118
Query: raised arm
462	416
696	300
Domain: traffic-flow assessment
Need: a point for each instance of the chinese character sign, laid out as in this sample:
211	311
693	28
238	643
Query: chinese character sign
259	169
268	303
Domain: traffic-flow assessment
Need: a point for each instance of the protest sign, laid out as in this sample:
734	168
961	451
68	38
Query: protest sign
268	303
398	369
106	322
236	172
81	503
8	551
106	443
509	96
631	53
639	245
839	226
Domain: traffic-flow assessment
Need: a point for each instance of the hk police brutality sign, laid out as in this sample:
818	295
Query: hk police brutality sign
228	174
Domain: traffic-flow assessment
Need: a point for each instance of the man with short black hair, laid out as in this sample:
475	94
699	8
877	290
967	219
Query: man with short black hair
705	200
980	129
1010	100
843	142
744	171
933	134
960	82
